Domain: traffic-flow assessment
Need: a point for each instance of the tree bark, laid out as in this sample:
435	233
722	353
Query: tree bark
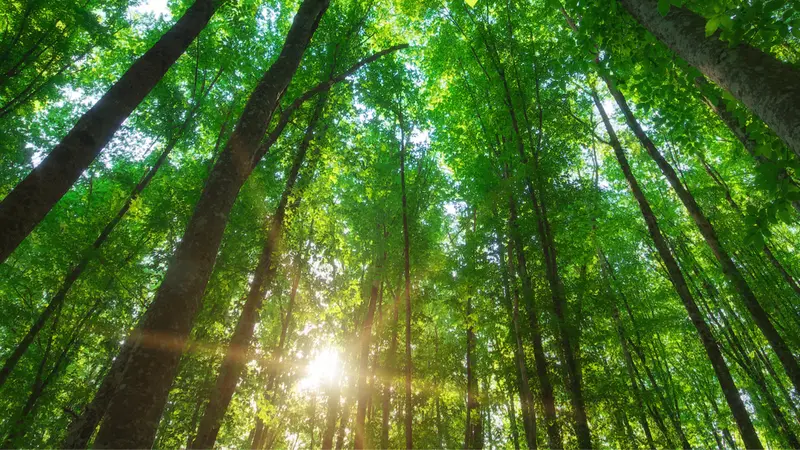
473	405
634	385
409	416
41	382
558	294
239	347
721	369
729	268
334	397
512	421
546	389
525	392
30	201
342	432
133	416
81	429
735	206
360	441
391	370
769	87
89	253
276	363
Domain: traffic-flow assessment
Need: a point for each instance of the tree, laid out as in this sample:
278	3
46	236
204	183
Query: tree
171	313
758	79
24	207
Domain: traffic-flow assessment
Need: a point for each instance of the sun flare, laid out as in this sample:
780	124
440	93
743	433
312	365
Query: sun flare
323	369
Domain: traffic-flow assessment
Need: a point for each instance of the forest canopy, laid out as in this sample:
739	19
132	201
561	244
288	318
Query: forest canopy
284	224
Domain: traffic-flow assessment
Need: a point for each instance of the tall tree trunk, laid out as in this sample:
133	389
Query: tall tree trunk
276	362
512	421
769	87
634	385
90	253
473	405
20	426
409	416
236	355
133	416
30	201
391	370
551	270
334	397
721	369
365	338
525	391
546	389
729	268
81	429
342	432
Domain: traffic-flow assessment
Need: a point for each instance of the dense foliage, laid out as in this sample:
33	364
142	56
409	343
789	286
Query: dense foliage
512	231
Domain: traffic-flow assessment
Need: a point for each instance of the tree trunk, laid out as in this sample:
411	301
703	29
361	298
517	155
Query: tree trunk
637	395
729	268
133	416
546	389
721	369
41	382
81	429
525	393
634	385
551	269
409	417
512	421
365	338
334	397
277	356
739	131
391	370
473	405
769	87
340	434
236	355
89	253
30	201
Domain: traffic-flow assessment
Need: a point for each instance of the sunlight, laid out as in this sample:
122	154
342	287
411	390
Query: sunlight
324	369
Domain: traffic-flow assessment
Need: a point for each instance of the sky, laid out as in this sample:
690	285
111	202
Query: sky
156	7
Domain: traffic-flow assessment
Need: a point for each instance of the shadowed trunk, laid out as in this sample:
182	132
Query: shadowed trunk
739	131
769	87
236	355
525	392
390	372
629	366
766	249
546	389
134	413
365	339
334	397
409	417
30	201
473	406
89	253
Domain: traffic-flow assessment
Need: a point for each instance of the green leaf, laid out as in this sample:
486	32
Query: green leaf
471	3
712	25
663	7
